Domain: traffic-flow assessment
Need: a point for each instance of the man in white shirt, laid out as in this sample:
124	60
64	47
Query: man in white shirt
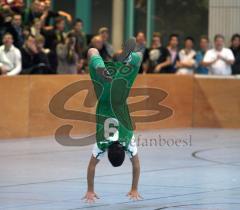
219	59
10	57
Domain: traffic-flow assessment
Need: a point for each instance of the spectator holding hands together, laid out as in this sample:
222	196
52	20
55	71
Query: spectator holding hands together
219	59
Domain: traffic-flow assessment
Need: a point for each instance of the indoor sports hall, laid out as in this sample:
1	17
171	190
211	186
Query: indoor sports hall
176	110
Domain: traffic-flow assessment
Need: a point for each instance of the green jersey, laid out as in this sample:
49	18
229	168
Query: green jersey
113	121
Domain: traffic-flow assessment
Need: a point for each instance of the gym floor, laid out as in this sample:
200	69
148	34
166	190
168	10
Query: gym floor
183	169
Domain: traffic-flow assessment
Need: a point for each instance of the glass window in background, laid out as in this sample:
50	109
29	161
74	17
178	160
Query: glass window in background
140	16
101	15
184	17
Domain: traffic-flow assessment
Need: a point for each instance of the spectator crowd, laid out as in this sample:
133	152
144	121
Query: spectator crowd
37	40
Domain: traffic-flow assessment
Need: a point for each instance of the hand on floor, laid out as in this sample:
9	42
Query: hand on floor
134	195
90	197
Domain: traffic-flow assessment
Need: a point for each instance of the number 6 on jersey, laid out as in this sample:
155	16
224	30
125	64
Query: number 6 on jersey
111	133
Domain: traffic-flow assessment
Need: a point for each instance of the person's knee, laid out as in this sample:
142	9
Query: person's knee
92	52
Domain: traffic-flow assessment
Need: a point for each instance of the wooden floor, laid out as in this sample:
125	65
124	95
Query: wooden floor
201	173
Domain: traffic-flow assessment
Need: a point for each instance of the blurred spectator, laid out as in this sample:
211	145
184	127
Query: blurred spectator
53	38
204	46
81	41
14	6
10	57
48	15
35	11
159	58
97	43
235	47
39	29
43	54
56	35
141	40
15	28
36	28
219	59
5	17
173	50
40	43
26	31
141	46
186	63
2	23
81	66
104	34
67	56
31	58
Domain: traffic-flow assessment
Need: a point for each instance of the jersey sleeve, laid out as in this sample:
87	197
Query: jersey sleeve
97	153
132	148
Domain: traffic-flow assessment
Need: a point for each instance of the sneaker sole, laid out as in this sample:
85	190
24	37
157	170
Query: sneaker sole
128	47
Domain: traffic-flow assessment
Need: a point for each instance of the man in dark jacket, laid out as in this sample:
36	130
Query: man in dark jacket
32	60
235	47
15	28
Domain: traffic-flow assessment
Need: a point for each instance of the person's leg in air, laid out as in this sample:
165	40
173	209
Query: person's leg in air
133	60
98	70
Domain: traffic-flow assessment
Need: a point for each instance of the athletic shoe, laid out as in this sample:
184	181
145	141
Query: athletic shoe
128	47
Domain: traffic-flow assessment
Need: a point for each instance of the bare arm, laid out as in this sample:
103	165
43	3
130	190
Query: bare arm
67	15
226	60
91	195
135	172
145	68
207	64
229	62
91	173
162	65
133	194
186	64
